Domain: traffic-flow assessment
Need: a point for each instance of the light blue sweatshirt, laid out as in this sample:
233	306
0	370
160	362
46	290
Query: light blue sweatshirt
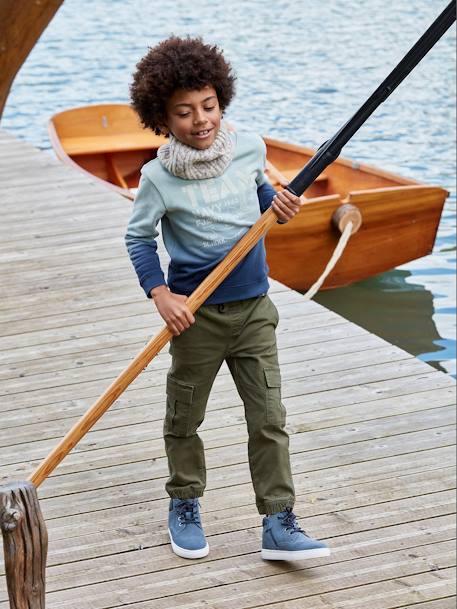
201	221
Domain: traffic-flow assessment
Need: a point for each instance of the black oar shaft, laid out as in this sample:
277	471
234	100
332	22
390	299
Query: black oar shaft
331	149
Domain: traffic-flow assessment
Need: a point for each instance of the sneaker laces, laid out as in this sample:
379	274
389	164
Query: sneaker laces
290	522
187	511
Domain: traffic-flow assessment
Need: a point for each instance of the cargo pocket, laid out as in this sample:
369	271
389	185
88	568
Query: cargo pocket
276	413
180	397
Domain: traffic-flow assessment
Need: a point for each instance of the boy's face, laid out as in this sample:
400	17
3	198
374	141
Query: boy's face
194	117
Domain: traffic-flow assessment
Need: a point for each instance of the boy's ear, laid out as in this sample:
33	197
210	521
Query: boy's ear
164	130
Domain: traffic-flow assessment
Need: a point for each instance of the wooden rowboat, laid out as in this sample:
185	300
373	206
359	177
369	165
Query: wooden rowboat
400	216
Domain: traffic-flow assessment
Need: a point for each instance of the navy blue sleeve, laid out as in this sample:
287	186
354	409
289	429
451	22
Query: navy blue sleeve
141	235
266	192
146	263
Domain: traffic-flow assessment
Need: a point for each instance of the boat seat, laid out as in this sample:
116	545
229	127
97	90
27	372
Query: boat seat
125	142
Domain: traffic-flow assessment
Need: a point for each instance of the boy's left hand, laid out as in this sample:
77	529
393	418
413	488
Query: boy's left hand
286	205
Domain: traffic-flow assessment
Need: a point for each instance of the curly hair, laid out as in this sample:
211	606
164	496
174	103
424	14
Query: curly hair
178	63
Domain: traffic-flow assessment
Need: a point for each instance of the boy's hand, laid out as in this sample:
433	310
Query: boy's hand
173	309
286	205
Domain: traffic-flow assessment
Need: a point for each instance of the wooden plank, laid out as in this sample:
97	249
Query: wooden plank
438	419
113	456
119	531
126	308
400	389
84	296
253	583
229	536
159	559
228	418
387	391
110	143
317	506
88	236
75	299
361	342
370	357
110	437
134	319
74	344
91	268
48	203
401	593
47	178
151	385
69	228
314	338
328	463
20	258
221	387
230	415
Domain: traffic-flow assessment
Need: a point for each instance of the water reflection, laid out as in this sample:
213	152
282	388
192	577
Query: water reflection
397	310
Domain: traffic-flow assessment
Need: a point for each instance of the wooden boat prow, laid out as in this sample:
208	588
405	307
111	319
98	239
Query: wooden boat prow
400	216
399	225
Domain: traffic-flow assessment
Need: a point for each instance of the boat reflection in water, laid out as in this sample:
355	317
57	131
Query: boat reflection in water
399	311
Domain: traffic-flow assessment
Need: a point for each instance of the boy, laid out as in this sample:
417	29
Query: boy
208	187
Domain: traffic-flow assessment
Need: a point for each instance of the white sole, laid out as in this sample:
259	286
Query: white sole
301	555
188	553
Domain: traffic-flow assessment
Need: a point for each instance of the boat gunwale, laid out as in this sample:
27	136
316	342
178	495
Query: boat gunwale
346	162
356	166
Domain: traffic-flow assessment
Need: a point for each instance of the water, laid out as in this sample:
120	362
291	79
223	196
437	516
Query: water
304	67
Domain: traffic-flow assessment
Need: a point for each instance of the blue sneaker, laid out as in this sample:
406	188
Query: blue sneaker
185	529
284	540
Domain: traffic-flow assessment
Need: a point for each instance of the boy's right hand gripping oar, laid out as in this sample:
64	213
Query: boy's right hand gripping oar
326	154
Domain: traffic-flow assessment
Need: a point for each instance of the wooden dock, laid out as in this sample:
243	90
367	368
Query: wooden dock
372	431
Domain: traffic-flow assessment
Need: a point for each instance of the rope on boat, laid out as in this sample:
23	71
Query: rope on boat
345	236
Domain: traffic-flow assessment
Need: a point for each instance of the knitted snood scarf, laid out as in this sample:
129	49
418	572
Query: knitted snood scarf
192	164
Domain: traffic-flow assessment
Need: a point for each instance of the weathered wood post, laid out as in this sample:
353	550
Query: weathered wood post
25	542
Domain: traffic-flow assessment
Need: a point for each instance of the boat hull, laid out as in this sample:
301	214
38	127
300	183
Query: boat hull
398	225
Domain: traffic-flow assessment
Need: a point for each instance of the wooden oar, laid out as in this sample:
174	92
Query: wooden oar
194	302
326	154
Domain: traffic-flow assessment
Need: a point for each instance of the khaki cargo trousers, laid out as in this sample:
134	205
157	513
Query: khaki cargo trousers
242	333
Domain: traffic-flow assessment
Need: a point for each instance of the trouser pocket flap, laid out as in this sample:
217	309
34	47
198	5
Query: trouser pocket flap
180	398
272	377
276	413
179	391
